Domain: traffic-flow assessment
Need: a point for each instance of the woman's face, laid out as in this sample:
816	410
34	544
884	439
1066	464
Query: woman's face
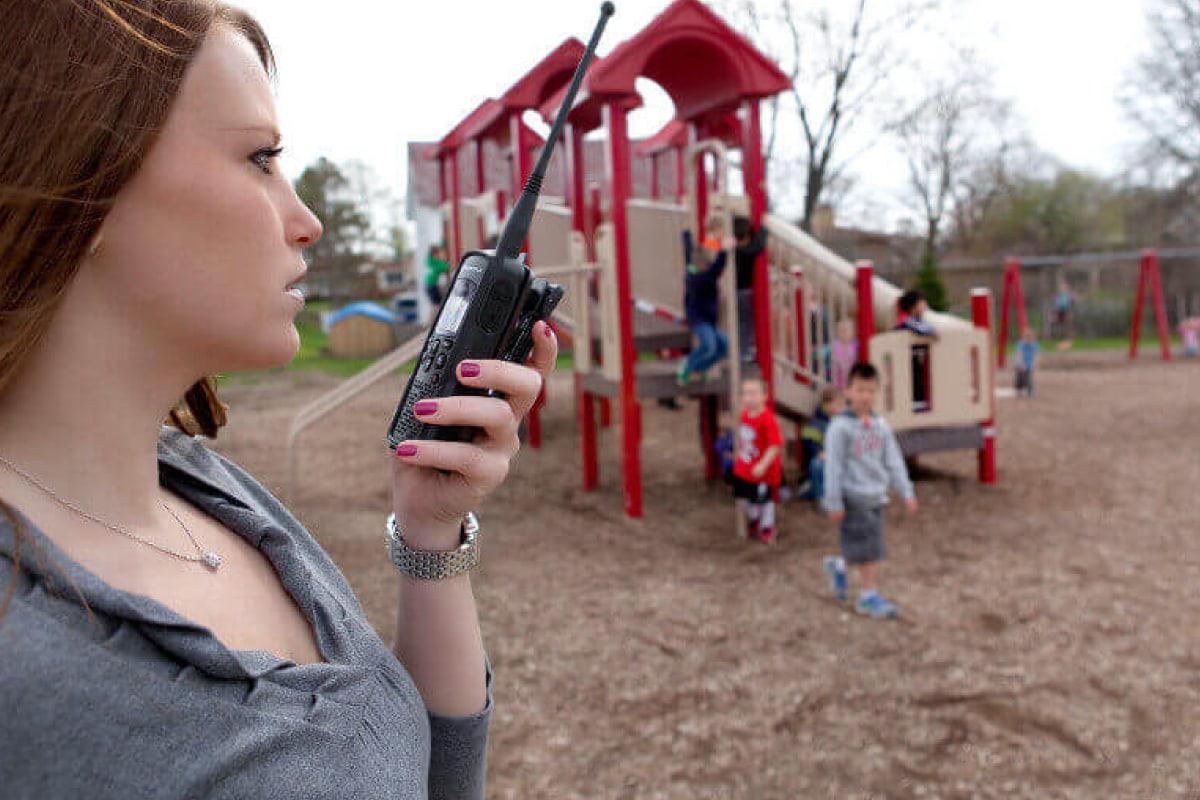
201	246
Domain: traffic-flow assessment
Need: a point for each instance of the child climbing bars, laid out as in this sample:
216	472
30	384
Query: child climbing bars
701	298
758	470
862	460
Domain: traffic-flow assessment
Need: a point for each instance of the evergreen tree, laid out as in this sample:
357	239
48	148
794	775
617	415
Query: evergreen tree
929	282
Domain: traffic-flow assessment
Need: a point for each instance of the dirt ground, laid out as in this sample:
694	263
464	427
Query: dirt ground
1047	645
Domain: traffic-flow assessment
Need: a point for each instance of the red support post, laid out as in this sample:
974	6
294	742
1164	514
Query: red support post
456	222
621	185
701	194
981	315
585	412
444	194
754	177
535	421
801	354
480	173
1013	293
1148	273
864	275
575	171
595	215
709	410
480	180
680	163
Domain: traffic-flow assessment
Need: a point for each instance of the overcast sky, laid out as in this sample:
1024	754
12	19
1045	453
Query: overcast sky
359	78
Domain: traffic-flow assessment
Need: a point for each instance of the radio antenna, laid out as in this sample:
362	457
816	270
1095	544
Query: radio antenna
517	227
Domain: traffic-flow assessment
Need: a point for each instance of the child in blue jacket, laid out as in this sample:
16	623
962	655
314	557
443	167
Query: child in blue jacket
701	298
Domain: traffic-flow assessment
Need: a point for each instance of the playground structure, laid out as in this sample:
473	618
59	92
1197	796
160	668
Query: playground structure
613	237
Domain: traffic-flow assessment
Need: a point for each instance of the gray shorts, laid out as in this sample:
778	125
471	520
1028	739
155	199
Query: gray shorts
862	532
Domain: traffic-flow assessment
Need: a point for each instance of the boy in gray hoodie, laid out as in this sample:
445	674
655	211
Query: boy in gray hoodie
862	460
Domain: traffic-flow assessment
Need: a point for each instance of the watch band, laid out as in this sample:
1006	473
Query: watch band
433	565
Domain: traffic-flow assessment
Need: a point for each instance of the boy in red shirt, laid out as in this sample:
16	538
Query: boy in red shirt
758	470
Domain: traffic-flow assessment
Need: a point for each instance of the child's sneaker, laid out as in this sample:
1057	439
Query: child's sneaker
835	568
871	604
767	536
752	530
683	374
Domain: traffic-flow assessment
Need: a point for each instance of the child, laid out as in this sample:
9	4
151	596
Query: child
750	244
862	460
812	441
1189	330
1063	307
700	301
843	352
912	314
1027	358
758	470
436	267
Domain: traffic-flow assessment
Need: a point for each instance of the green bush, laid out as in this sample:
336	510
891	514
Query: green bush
929	283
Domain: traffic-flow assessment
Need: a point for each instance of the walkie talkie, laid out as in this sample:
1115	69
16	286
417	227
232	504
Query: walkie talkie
493	302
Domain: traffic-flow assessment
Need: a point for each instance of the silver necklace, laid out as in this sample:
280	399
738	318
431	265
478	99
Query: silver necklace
206	557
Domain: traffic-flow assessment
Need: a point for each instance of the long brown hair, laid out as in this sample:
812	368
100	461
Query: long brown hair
85	88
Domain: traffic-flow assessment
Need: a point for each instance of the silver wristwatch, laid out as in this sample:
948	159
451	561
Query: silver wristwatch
432	565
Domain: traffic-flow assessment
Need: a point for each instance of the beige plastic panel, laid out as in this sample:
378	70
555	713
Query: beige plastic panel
549	235
960	372
474	213
610	324
656	252
576	307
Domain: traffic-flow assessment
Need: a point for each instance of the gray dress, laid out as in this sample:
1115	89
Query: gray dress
135	701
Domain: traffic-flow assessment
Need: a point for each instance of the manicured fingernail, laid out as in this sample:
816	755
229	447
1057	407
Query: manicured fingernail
469	369
425	407
406	450
548	331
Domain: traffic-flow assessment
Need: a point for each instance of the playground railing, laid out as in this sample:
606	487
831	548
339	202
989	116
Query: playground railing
346	390
833	277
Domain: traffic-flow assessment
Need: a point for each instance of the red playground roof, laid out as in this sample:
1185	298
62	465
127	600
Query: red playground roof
548	76
459	134
674	134
701	62
586	113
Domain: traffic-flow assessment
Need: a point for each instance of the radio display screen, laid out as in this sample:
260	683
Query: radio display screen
457	305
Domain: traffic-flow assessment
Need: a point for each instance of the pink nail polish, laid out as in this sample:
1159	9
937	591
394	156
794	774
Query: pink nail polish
425	407
406	450
469	369
549	332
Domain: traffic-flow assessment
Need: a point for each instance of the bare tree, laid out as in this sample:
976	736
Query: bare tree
959	132
374	200
1162	92
839	57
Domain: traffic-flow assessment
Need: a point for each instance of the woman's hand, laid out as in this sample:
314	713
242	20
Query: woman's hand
430	503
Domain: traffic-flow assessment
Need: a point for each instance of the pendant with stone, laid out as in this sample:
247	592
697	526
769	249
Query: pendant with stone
211	559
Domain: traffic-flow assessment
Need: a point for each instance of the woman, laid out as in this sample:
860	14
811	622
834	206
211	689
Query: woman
169	629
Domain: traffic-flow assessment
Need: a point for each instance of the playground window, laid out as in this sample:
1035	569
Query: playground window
922	401
975	375
889	385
